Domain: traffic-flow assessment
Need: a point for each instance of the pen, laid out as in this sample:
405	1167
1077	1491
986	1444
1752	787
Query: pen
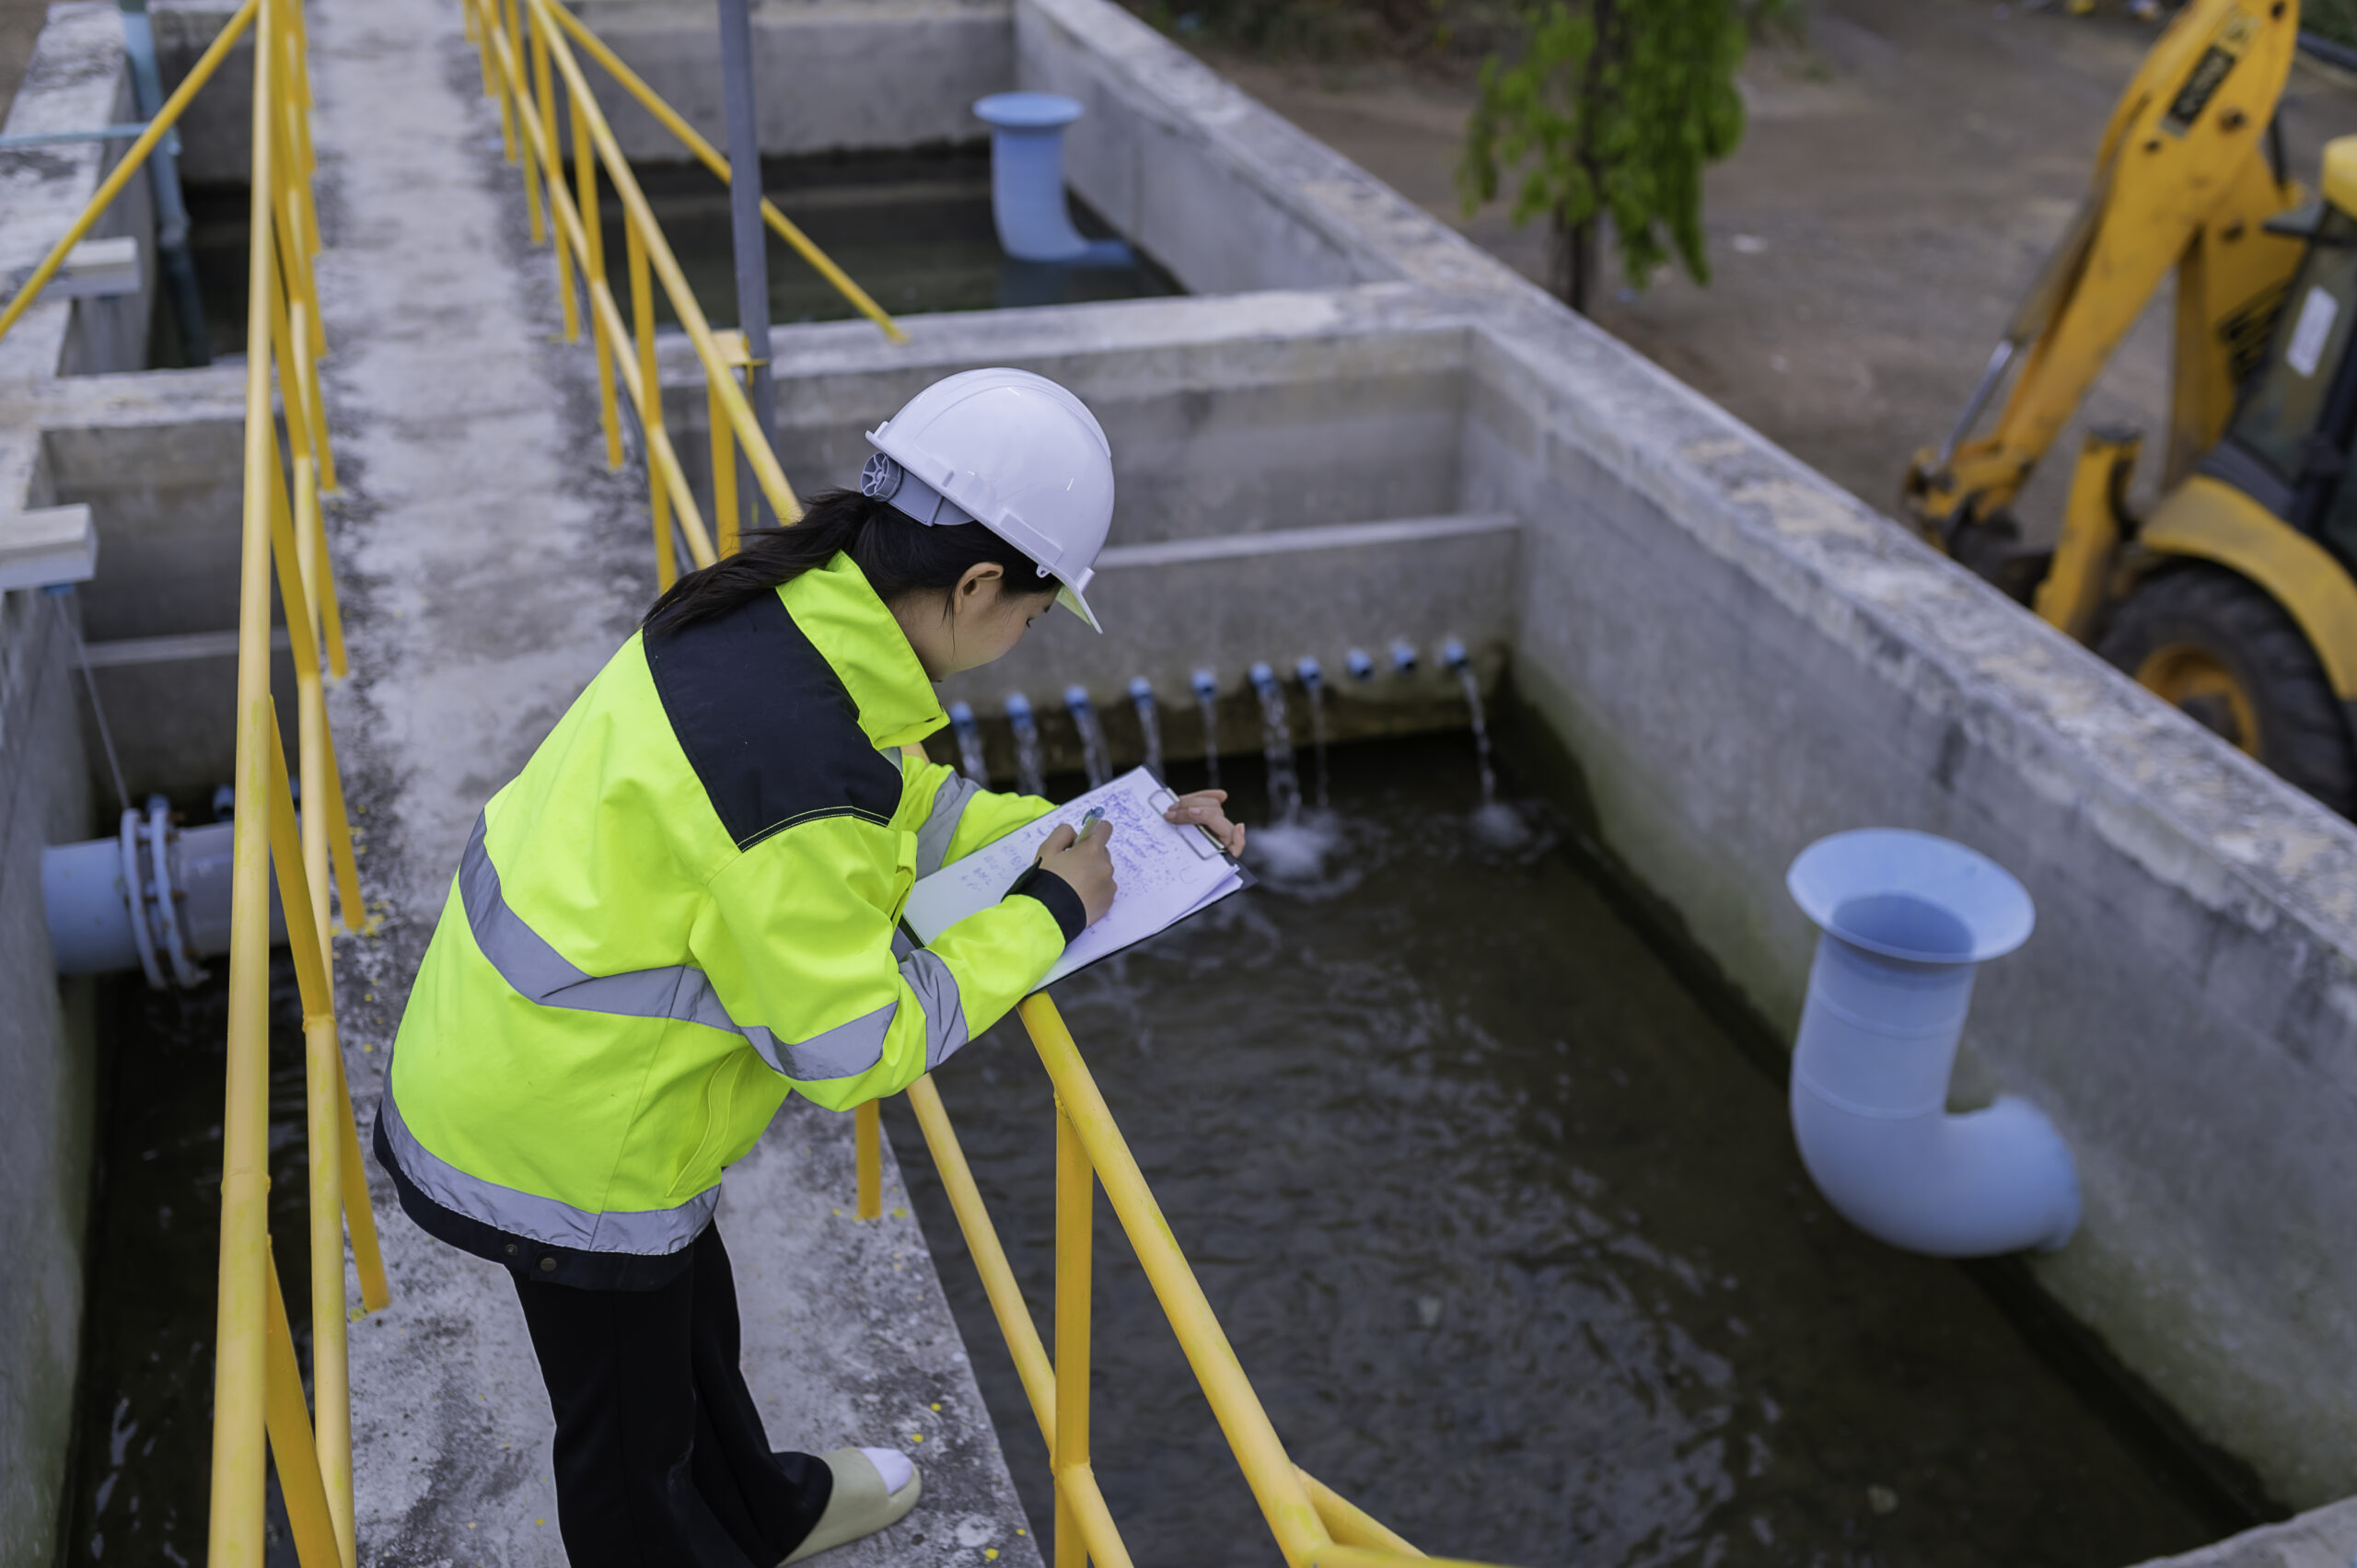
1096	815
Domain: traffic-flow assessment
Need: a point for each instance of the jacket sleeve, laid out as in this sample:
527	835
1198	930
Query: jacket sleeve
798	946
963	816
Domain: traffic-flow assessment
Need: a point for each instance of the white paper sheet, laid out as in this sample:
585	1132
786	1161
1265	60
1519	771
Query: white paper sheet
1162	872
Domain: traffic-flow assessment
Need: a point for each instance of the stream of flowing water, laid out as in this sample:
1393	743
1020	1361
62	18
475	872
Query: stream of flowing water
1096	757
1209	703
1316	689
1031	774
1149	724
969	745
1276	745
1481	733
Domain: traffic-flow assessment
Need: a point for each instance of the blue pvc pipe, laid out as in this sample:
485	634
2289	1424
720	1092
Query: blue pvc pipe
1028	182
1907	919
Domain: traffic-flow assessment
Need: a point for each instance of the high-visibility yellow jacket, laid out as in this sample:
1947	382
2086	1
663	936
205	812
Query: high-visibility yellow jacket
684	906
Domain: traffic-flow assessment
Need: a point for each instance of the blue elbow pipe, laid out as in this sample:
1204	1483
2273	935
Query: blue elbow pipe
1028	182
1907	919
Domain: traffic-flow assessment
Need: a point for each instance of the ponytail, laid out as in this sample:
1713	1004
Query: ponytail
900	555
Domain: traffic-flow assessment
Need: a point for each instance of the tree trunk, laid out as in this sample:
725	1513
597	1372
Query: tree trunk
1576	262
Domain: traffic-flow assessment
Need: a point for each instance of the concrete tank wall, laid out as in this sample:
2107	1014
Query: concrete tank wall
834	76
47	1084
1288	473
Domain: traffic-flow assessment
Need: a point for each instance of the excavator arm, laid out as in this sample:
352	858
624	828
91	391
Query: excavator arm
2188	172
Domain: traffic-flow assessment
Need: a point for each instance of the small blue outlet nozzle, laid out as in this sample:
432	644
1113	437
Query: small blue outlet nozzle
1206	685
1141	688
1262	676
1362	664
961	716
1306	670
1018	707
1076	696
1403	656
1452	653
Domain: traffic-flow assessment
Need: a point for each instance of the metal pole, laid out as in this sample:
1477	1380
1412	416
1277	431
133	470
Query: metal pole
745	224
164	175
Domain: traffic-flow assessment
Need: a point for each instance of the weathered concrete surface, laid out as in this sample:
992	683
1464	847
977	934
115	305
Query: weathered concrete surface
2323	1538
833	75
490	566
47	1085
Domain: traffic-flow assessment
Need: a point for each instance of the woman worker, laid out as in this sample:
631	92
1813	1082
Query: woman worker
686	905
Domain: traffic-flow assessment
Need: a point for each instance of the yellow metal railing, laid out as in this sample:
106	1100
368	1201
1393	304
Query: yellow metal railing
134	157
257	1386
530	68
1313	1526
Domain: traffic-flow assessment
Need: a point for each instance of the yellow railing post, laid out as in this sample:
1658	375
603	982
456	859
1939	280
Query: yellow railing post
544	85
240	1356
726	508
1075	1204
867	1143
515	89
593	246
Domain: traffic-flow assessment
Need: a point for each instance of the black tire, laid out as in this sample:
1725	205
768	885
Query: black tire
2185	614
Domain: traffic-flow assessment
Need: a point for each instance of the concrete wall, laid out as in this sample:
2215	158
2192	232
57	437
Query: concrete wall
830	76
1262	444
46	1084
1743	658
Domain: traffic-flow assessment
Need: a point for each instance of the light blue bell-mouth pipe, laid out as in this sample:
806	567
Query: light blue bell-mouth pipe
1908	920
1028	182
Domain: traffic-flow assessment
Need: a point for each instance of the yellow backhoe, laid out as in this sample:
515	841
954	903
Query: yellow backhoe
2234	598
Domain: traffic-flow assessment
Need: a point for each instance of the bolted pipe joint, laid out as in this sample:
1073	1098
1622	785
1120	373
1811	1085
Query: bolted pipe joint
1307	671
1360	664
1907	919
153	898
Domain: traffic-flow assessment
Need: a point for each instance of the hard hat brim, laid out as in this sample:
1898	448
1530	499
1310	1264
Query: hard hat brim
1069	596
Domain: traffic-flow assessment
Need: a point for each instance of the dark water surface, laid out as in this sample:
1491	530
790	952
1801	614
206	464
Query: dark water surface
914	230
141	1475
1513	1241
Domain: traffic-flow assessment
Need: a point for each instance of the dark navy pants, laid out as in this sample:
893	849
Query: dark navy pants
660	1456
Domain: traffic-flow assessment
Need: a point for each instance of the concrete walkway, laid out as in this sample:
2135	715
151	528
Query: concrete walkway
489	567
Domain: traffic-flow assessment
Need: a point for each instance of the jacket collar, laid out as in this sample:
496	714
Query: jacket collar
849	624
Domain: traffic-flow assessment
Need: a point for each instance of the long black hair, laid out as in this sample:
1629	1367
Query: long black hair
900	555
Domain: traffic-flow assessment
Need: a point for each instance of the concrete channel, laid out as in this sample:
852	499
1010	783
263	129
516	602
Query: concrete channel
1736	658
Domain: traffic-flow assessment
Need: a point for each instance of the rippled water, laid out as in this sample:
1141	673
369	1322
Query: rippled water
1511	1237
141	1482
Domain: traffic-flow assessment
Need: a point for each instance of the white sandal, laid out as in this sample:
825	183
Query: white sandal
860	1505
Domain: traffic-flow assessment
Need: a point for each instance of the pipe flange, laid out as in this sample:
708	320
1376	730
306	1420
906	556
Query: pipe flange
161	837
135	896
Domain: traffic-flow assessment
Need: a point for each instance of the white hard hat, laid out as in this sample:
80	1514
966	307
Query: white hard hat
1012	451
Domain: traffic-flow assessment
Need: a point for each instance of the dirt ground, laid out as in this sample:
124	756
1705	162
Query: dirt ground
1903	174
19	21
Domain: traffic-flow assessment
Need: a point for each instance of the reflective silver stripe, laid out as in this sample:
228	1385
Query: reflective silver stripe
844	1051
644	1231
944	1009
538	971
941	822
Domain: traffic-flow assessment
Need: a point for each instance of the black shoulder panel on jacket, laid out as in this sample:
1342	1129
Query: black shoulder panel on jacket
766	724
